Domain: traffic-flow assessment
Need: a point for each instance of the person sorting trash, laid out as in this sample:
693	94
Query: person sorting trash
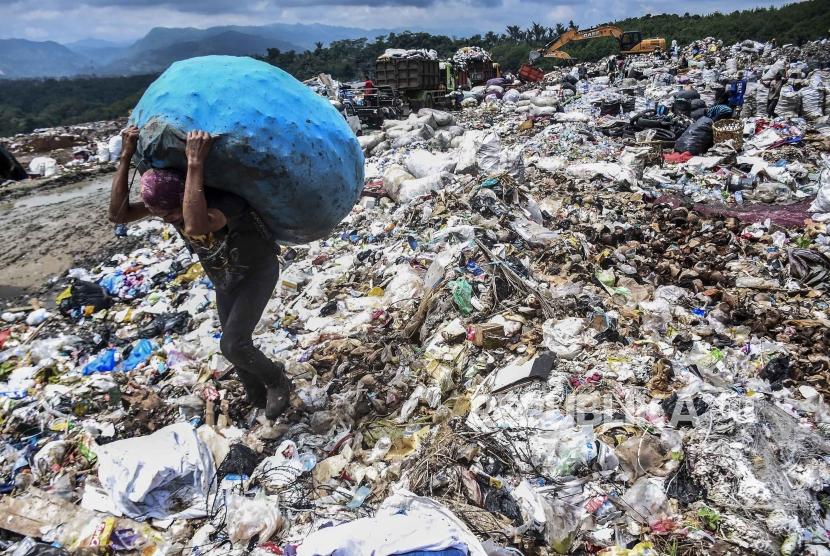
233	248
737	90
774	85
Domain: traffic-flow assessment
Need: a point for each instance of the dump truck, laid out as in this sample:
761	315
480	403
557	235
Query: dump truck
426	83
631	42
423	83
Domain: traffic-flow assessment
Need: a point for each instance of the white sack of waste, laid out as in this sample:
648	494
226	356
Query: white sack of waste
441	118
393	177
404	523
369	142
422	163
43	166
412	189
822	201
163	475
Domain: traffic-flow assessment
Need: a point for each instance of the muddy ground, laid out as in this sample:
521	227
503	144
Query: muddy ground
45	233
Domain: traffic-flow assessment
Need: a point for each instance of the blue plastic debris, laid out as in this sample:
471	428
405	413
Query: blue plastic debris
140	353
281	146
104	363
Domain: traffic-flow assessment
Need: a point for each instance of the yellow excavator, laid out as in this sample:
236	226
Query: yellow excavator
631	42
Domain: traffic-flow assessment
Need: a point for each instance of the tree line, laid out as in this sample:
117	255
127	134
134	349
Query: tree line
28	104
350	59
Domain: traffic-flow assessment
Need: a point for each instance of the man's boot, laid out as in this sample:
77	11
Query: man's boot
255	391
278	393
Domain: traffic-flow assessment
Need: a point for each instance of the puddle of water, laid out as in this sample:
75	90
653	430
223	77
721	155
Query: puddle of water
63	195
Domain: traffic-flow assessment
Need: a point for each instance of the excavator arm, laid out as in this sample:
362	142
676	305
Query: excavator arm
553	48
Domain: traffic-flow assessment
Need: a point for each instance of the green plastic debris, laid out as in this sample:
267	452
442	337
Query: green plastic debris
709	517
462	293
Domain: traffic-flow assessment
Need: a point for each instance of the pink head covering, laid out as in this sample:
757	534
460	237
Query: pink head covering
162	189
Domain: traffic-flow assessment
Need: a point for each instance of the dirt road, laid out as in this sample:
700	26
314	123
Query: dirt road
43	235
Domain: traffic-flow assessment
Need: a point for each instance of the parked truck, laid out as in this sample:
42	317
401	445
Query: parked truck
427	83
421	82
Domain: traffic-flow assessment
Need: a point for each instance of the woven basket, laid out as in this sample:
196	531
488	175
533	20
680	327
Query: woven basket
724	130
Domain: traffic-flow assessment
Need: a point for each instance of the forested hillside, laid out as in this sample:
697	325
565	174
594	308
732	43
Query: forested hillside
28	104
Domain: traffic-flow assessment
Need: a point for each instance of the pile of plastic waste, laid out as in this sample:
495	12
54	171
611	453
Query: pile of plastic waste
471	54
77	149
416	53
545	328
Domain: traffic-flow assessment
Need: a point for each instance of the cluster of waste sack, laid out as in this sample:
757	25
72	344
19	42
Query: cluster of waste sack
544	328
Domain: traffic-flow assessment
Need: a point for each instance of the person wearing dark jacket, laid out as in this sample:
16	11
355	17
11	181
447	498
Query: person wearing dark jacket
233	246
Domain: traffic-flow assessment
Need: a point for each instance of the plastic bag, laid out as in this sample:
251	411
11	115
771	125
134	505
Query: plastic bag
761	95
441	118
822	201
545	101
165	474
539	111
563	337
248	518
369	142
283	468
571	117
140	353
697	139
101	364
37	317
462	293
297	154
85	294
774	69
114	147
488	154
647	499
166	323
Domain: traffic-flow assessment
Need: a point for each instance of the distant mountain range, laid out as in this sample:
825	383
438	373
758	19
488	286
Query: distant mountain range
20	58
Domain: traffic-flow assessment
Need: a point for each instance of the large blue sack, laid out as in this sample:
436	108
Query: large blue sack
282	147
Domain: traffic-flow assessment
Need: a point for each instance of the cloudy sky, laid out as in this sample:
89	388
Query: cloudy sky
123	20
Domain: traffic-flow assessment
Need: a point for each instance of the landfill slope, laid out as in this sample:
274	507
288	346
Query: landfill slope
44	234
542	330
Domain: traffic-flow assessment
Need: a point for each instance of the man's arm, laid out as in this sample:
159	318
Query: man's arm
121	210
199	220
